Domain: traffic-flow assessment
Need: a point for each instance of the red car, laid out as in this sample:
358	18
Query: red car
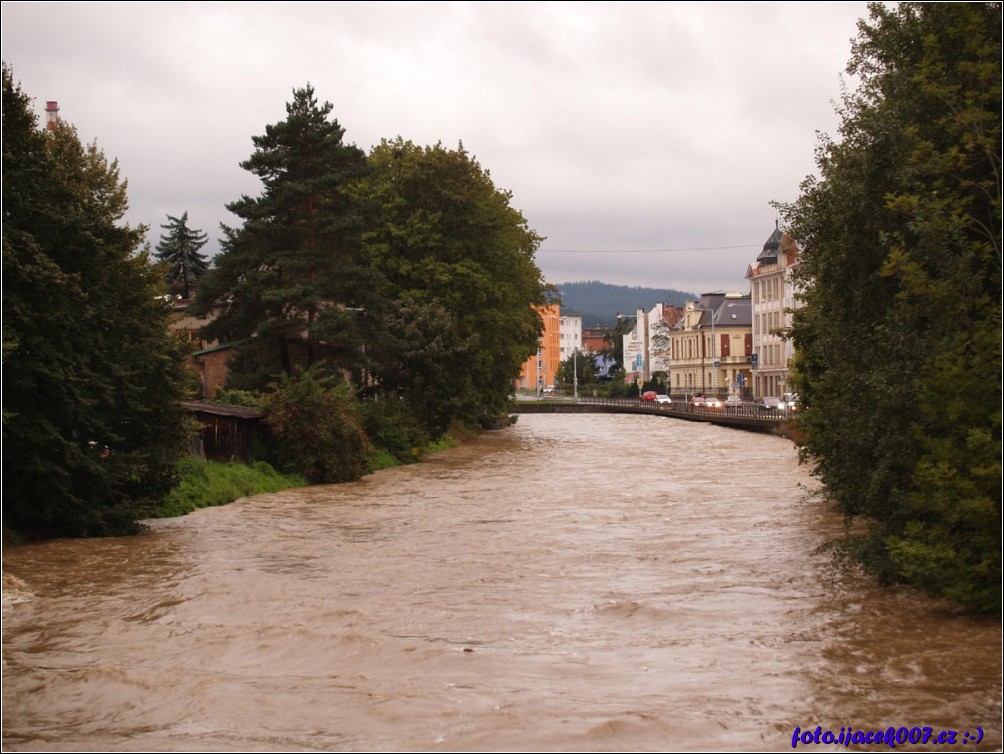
648	395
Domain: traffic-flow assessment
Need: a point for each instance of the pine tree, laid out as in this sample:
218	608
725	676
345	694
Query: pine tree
179	248
291	274
92	378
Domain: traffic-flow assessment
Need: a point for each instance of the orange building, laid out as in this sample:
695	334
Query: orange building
540	370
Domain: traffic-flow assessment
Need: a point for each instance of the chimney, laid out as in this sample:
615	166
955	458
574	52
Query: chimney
51	115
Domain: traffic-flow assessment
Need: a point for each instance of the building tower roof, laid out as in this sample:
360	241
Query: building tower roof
771	247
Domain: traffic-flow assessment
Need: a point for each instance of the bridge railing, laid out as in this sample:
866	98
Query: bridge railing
745	410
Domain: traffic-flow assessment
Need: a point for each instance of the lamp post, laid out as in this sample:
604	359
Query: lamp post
575	373
714	369
542	355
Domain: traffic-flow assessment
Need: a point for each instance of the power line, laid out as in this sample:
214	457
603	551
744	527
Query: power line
642	251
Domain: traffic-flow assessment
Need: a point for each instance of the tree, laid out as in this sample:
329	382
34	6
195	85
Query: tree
92	378
457	268
180	250
292	275
579	364
316	430
898	342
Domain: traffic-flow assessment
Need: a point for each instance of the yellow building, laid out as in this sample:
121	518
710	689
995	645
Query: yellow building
540	370
711	346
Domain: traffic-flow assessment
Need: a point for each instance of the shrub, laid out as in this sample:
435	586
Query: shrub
316	429
392	427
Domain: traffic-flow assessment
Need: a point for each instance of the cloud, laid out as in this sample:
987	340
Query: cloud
616	126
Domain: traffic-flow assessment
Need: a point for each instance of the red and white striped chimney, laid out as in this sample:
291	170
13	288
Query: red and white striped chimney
51	114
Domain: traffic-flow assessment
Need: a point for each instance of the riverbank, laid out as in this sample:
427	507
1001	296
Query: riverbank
205	484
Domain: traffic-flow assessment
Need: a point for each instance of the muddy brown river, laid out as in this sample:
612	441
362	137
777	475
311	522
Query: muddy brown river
575	582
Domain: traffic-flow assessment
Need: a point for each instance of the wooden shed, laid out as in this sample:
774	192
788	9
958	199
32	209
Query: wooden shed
227	431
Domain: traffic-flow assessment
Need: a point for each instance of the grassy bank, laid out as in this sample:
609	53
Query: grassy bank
205	483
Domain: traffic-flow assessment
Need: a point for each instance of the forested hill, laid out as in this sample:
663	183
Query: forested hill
599	303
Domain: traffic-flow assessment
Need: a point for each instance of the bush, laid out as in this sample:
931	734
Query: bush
240	398
392	427
316	428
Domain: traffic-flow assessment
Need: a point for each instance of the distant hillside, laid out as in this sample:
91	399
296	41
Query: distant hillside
599	303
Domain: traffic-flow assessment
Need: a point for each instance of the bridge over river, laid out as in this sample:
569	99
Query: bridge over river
749	416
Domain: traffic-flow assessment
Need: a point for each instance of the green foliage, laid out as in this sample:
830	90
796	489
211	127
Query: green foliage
292	273
456	266
92	378
381	459
657	382
179	249
580	364
899	341
393	429
316	428
205	483
445	442
240	398
408	273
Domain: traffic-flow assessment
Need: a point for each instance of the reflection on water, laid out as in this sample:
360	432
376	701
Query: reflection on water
571	583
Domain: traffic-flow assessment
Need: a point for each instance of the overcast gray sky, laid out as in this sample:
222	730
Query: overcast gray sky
651	137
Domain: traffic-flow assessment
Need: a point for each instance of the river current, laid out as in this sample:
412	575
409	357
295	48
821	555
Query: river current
574	582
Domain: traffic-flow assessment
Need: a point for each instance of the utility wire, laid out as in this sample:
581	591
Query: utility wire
642	251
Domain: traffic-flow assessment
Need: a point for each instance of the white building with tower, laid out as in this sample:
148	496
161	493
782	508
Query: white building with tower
774	297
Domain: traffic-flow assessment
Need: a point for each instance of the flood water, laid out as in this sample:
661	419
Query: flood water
575	582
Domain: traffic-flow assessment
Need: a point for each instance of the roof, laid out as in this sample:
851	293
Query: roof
221	410
729	310
771	246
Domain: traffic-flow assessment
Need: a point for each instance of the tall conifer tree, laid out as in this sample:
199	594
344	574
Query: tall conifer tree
291	275
179	248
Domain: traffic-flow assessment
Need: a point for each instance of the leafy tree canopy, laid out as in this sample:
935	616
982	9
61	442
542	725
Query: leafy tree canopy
92	379
457	263
579	366
408	271
899	340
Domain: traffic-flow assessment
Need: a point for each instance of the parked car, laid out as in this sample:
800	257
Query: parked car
663	399
733	401
771	404
713	402
698	401
648	395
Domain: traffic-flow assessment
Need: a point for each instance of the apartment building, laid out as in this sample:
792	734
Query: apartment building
712	345
569	335
539	371
774	298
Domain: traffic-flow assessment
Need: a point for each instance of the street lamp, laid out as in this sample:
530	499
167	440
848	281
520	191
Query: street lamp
714	369
575	373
